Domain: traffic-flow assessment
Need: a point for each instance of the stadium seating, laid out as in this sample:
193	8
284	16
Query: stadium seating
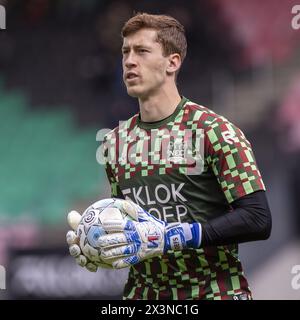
47	163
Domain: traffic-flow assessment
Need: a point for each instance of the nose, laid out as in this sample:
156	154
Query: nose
129	60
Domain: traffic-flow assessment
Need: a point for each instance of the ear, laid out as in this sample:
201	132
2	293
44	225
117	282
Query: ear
174	63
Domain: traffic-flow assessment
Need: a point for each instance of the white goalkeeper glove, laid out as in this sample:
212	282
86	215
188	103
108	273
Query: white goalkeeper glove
144	237
73	242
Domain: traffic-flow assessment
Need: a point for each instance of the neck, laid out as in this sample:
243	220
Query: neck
159	106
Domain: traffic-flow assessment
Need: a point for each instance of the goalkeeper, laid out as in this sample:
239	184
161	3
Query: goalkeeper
190	217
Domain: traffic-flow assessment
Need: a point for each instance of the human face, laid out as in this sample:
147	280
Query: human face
144	66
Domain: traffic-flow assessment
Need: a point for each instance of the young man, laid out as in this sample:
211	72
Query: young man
204	208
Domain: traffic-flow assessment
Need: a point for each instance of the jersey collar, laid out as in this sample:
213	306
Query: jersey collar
158	124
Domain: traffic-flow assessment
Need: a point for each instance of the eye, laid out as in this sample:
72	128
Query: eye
143	50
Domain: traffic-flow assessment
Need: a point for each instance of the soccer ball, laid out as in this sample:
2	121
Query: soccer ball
89	229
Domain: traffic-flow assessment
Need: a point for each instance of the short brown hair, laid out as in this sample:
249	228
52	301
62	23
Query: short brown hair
170	33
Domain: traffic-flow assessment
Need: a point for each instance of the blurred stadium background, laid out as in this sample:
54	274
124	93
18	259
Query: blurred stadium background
60	82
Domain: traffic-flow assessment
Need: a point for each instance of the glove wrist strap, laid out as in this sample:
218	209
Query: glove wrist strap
193	234
182	235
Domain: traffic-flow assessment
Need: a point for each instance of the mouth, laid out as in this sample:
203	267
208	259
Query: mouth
130	76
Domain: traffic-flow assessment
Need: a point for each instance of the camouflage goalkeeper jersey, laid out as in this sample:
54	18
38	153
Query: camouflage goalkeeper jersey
188	167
